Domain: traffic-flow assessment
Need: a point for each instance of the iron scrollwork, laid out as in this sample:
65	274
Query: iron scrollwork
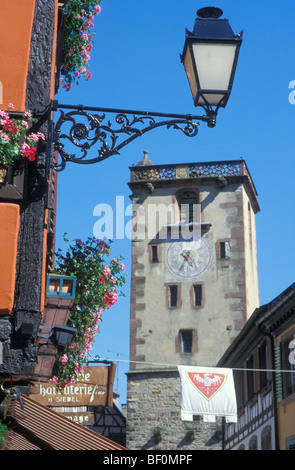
84	130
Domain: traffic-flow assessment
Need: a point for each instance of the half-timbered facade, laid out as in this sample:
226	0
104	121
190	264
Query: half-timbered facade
263	371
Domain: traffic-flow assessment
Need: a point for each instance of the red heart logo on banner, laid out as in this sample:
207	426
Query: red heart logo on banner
207	384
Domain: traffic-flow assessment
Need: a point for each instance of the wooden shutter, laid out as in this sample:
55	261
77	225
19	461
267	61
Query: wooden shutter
51	224
291	445
278	375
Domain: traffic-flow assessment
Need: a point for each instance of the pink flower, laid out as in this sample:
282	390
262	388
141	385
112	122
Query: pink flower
97	9
64	359
122	267
4	137
11	106
54	380
28	152
33	137
107	271
111	298
98	317
24	124
4	114
7	124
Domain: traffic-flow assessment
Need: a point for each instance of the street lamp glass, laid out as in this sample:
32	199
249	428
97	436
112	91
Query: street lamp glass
210	57
214	64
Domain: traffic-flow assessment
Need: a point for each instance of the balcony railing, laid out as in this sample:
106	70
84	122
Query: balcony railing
202	170
189	170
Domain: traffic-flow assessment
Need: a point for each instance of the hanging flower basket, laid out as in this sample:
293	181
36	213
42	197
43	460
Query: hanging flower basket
98	286
78	40
16	143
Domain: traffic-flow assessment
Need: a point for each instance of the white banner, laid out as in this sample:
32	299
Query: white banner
208	391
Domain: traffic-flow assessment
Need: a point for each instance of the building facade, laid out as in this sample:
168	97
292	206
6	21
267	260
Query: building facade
29	80
263	358
280	323
193	287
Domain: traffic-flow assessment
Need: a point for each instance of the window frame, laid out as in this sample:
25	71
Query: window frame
200	285
178	295
179	342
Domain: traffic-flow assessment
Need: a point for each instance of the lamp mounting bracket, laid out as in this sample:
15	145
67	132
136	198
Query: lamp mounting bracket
84	127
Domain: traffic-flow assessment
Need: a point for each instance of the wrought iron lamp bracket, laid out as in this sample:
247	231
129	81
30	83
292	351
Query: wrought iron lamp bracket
84	127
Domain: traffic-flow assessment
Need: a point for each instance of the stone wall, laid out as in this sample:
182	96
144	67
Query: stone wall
153	416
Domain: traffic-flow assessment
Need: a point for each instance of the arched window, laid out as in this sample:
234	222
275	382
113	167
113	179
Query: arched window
253	443
242	447
266	438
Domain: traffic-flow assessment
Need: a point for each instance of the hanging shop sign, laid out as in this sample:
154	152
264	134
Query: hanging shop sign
84	418
94	389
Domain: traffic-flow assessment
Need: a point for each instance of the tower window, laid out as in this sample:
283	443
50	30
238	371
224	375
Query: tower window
186	341
197	295
154	252
173	296
187	202
224	250
155	258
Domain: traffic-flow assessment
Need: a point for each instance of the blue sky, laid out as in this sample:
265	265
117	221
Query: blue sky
135	65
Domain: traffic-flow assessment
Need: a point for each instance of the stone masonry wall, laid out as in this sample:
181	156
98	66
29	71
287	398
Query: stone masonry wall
153	416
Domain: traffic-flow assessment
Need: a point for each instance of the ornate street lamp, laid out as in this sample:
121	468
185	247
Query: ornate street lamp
209	56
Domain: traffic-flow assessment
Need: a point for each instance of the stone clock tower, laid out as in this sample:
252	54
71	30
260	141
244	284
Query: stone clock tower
194	284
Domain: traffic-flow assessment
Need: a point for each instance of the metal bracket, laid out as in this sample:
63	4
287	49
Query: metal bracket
11	394
84	127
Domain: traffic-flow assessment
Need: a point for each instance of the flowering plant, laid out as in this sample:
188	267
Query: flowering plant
3	433
98	286
11	132
78	40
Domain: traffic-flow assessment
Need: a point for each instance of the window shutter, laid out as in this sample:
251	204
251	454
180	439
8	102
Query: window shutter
224	250
291	445
278	375
51	224
227	250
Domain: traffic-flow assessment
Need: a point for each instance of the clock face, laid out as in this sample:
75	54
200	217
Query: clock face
188	259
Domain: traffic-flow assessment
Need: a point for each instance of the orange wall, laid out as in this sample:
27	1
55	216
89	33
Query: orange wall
9	221
16	20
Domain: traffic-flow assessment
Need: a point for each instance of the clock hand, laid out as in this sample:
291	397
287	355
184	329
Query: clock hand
186	256
182	266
